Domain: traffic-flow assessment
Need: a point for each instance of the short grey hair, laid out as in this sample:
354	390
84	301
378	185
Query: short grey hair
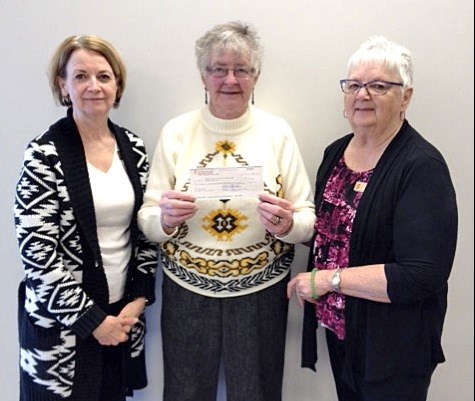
380	50
237	37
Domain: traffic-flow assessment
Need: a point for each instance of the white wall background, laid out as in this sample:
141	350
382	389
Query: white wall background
307	44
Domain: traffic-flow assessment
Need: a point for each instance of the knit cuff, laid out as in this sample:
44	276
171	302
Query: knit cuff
89	321
143	285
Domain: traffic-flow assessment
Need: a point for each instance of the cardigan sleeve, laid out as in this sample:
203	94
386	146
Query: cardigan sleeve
51	286
145	258
145	261
425	233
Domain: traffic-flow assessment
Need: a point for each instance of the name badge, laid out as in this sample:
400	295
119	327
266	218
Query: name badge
360	186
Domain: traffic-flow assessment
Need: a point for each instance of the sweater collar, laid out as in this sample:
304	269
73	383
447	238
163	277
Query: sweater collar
228	127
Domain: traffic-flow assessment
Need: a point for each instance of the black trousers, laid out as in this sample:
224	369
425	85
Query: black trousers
399	388
246	333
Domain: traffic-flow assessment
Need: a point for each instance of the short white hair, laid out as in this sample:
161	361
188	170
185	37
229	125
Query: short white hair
380	50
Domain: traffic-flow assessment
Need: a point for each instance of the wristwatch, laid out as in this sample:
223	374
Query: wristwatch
336	280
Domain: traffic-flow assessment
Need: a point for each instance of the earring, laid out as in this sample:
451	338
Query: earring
206	96
66	100
252	97
344	113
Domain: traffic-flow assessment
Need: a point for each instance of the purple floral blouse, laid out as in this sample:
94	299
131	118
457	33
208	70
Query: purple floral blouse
334	224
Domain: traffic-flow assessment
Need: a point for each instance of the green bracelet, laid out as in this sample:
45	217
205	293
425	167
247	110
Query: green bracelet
312	284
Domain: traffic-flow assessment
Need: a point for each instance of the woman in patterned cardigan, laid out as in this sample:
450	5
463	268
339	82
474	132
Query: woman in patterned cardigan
89	272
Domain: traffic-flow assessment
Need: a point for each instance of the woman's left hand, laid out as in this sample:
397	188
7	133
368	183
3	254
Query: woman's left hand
276	214
300	284
134	308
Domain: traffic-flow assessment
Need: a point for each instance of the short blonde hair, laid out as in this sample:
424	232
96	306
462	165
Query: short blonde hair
93	43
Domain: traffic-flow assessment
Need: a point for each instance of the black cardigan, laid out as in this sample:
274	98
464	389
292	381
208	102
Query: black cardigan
407	220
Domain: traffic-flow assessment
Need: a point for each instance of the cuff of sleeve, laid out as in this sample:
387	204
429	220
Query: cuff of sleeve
143	286
89	321
394	293
302	228
149	221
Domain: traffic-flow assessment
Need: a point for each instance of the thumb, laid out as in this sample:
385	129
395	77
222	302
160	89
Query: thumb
128	321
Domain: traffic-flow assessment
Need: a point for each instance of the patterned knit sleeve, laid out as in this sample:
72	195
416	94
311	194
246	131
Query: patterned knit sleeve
49	250
146	251
295	187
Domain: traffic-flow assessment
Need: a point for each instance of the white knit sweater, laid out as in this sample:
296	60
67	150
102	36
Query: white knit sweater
236	257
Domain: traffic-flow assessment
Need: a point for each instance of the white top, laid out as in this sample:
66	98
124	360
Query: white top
224	251
113	203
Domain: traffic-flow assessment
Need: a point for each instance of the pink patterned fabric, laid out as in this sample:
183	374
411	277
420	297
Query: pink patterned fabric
334	225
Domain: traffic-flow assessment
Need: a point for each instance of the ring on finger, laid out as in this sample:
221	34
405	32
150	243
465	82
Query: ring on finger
277	220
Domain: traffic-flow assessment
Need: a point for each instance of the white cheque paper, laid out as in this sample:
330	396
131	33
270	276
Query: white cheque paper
226	182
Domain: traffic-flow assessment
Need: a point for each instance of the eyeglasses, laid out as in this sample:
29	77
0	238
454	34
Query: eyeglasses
375	88
222	72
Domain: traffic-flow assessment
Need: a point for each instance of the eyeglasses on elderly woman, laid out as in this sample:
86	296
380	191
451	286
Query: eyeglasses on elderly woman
375	88
240	72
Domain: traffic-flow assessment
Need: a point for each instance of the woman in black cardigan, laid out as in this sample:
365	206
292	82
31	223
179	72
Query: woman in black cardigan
385	240
88	270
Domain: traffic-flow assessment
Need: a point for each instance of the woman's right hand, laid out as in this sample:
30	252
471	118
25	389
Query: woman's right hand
176	207
114	330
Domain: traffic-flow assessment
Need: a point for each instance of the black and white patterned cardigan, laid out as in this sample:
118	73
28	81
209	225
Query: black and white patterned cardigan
64	294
